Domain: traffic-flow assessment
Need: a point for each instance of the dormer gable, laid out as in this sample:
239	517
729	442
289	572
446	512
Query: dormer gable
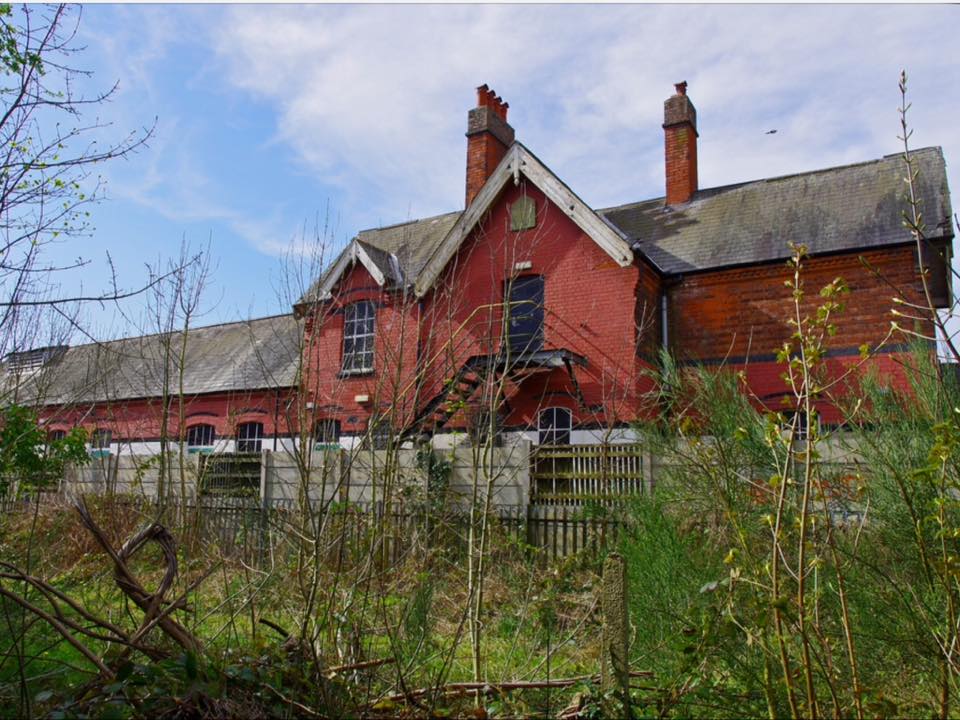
519	161
383	267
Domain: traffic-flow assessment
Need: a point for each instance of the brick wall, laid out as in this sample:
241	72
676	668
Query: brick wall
395	349
484	153
739	316
680	158
141	420
590	309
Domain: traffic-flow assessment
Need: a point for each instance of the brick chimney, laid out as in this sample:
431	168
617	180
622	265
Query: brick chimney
488	139
680	146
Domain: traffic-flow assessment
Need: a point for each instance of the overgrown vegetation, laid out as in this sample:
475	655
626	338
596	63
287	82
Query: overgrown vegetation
31	458
387	641
789	564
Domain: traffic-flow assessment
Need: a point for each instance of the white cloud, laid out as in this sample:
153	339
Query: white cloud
373	99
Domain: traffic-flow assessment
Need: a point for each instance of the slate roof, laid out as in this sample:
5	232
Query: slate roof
231	357
411	242
831	210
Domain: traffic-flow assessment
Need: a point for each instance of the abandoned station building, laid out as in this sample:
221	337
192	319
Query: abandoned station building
526	311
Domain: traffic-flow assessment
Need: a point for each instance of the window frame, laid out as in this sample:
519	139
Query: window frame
197	446
99	448
242	439
517	343
378	434
325	440
362	331
803	424
551	434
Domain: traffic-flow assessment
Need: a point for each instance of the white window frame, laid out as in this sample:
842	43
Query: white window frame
359	331
547	434
100	441
190	441
327	432
242	436
803	424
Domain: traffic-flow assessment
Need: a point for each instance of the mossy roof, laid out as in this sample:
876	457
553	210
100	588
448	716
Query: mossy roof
230	357
837	209
833	210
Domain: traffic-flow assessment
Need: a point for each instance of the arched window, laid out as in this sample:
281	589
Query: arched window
555	424
358	332
54	436
249	437
200	436
326	432
100	440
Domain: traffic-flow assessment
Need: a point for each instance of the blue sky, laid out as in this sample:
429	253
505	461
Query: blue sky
268	117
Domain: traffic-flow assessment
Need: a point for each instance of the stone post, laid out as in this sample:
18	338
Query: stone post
615	668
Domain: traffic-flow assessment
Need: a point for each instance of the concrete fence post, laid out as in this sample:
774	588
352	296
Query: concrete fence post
615	668
523	471
648	472
266	468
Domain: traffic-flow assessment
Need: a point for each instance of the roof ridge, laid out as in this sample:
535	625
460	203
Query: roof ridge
189	329
407	222
937	148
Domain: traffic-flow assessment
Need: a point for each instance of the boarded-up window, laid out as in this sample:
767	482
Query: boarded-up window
523	214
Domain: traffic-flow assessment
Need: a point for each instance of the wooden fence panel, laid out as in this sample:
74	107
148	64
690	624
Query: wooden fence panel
577	475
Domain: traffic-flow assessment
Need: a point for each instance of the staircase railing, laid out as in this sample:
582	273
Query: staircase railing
453	346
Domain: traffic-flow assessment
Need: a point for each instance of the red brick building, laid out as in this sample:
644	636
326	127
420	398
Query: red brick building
532	306
530	312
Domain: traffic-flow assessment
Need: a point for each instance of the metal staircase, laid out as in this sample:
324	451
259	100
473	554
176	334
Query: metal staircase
452	398
459	391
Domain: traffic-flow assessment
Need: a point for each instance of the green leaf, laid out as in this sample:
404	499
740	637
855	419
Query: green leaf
190	665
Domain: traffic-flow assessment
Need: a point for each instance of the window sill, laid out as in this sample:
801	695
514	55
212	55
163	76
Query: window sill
355	373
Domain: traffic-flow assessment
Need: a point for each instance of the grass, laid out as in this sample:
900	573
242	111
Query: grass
413	612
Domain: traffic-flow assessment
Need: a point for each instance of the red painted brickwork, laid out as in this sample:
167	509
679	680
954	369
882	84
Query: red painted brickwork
488	139
484	153
589	309
590	305
680	146
395	350
647	312
142	420
740	315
